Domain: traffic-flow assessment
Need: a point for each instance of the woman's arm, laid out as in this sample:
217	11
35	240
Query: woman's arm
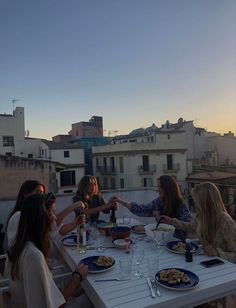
67	228
78	275
124	203
142	210
98	209
181	225
229	235
62	215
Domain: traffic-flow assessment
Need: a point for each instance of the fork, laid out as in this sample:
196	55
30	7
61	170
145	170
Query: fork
154	285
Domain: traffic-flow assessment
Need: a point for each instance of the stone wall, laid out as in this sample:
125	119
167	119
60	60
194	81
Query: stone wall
15	170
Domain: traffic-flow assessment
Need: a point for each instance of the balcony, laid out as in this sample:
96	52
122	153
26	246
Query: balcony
151	169
175	168
106	170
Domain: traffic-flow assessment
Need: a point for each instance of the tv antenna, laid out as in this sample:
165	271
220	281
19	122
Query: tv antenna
14	100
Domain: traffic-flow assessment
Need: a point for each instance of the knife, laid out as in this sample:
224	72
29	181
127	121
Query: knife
112	279
104	247
150	287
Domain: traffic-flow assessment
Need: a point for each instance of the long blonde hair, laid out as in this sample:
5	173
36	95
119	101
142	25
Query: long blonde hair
209	208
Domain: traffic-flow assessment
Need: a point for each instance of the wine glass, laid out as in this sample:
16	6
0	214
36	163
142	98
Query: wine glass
138	254
100	240
159	240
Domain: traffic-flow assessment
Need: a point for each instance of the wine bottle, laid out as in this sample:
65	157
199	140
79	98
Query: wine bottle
81	236
188	251
113	216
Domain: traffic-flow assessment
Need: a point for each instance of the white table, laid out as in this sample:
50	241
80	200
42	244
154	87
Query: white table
214	282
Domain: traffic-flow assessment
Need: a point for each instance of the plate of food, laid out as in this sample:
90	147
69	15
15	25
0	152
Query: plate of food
71	240
98	264
139	229
178	279
179	247
121	242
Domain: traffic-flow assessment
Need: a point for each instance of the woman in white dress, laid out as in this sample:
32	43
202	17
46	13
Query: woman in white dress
28	188
31	282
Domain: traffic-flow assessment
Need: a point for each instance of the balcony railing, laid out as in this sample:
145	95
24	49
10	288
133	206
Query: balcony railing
151	169
106	170
175	168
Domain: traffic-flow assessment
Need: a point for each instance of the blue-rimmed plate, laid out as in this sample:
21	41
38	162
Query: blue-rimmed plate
71	240
193	280
179	247
93	267
139	229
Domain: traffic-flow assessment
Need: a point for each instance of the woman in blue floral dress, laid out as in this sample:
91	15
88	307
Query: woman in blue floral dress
170	203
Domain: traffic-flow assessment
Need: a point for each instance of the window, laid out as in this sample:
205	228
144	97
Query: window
30	155
67	178
147	182
97	163
112	163
145	163
113	183
121	163
8	141
105	163
105	183
8	154
169	161
122	183
66	153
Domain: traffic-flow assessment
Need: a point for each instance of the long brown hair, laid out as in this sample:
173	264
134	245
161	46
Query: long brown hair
26	188
209	208
34	226
83	187
173	198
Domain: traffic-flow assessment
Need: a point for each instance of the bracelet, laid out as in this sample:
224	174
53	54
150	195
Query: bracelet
77	273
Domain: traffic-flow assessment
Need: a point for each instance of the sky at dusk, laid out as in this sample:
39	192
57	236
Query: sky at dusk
133	62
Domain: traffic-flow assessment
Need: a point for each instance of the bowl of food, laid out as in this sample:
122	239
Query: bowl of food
120	232
106	227
164	232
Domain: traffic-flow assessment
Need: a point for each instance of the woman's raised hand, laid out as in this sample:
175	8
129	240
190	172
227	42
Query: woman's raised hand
78	205
113	202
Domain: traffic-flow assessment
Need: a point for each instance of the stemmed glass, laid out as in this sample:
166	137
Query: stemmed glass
138	254
100	240
159	240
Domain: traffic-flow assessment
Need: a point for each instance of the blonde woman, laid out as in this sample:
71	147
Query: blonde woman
215	227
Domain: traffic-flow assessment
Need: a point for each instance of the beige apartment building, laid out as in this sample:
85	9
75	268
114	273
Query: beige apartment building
138	160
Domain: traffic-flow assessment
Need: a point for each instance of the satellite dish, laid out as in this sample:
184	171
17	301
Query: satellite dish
27	133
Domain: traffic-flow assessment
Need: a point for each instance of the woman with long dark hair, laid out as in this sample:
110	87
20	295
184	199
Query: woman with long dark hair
31	283
170	202
28	188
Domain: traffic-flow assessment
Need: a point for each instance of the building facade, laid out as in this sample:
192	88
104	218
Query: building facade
92	128
68	159
139	159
